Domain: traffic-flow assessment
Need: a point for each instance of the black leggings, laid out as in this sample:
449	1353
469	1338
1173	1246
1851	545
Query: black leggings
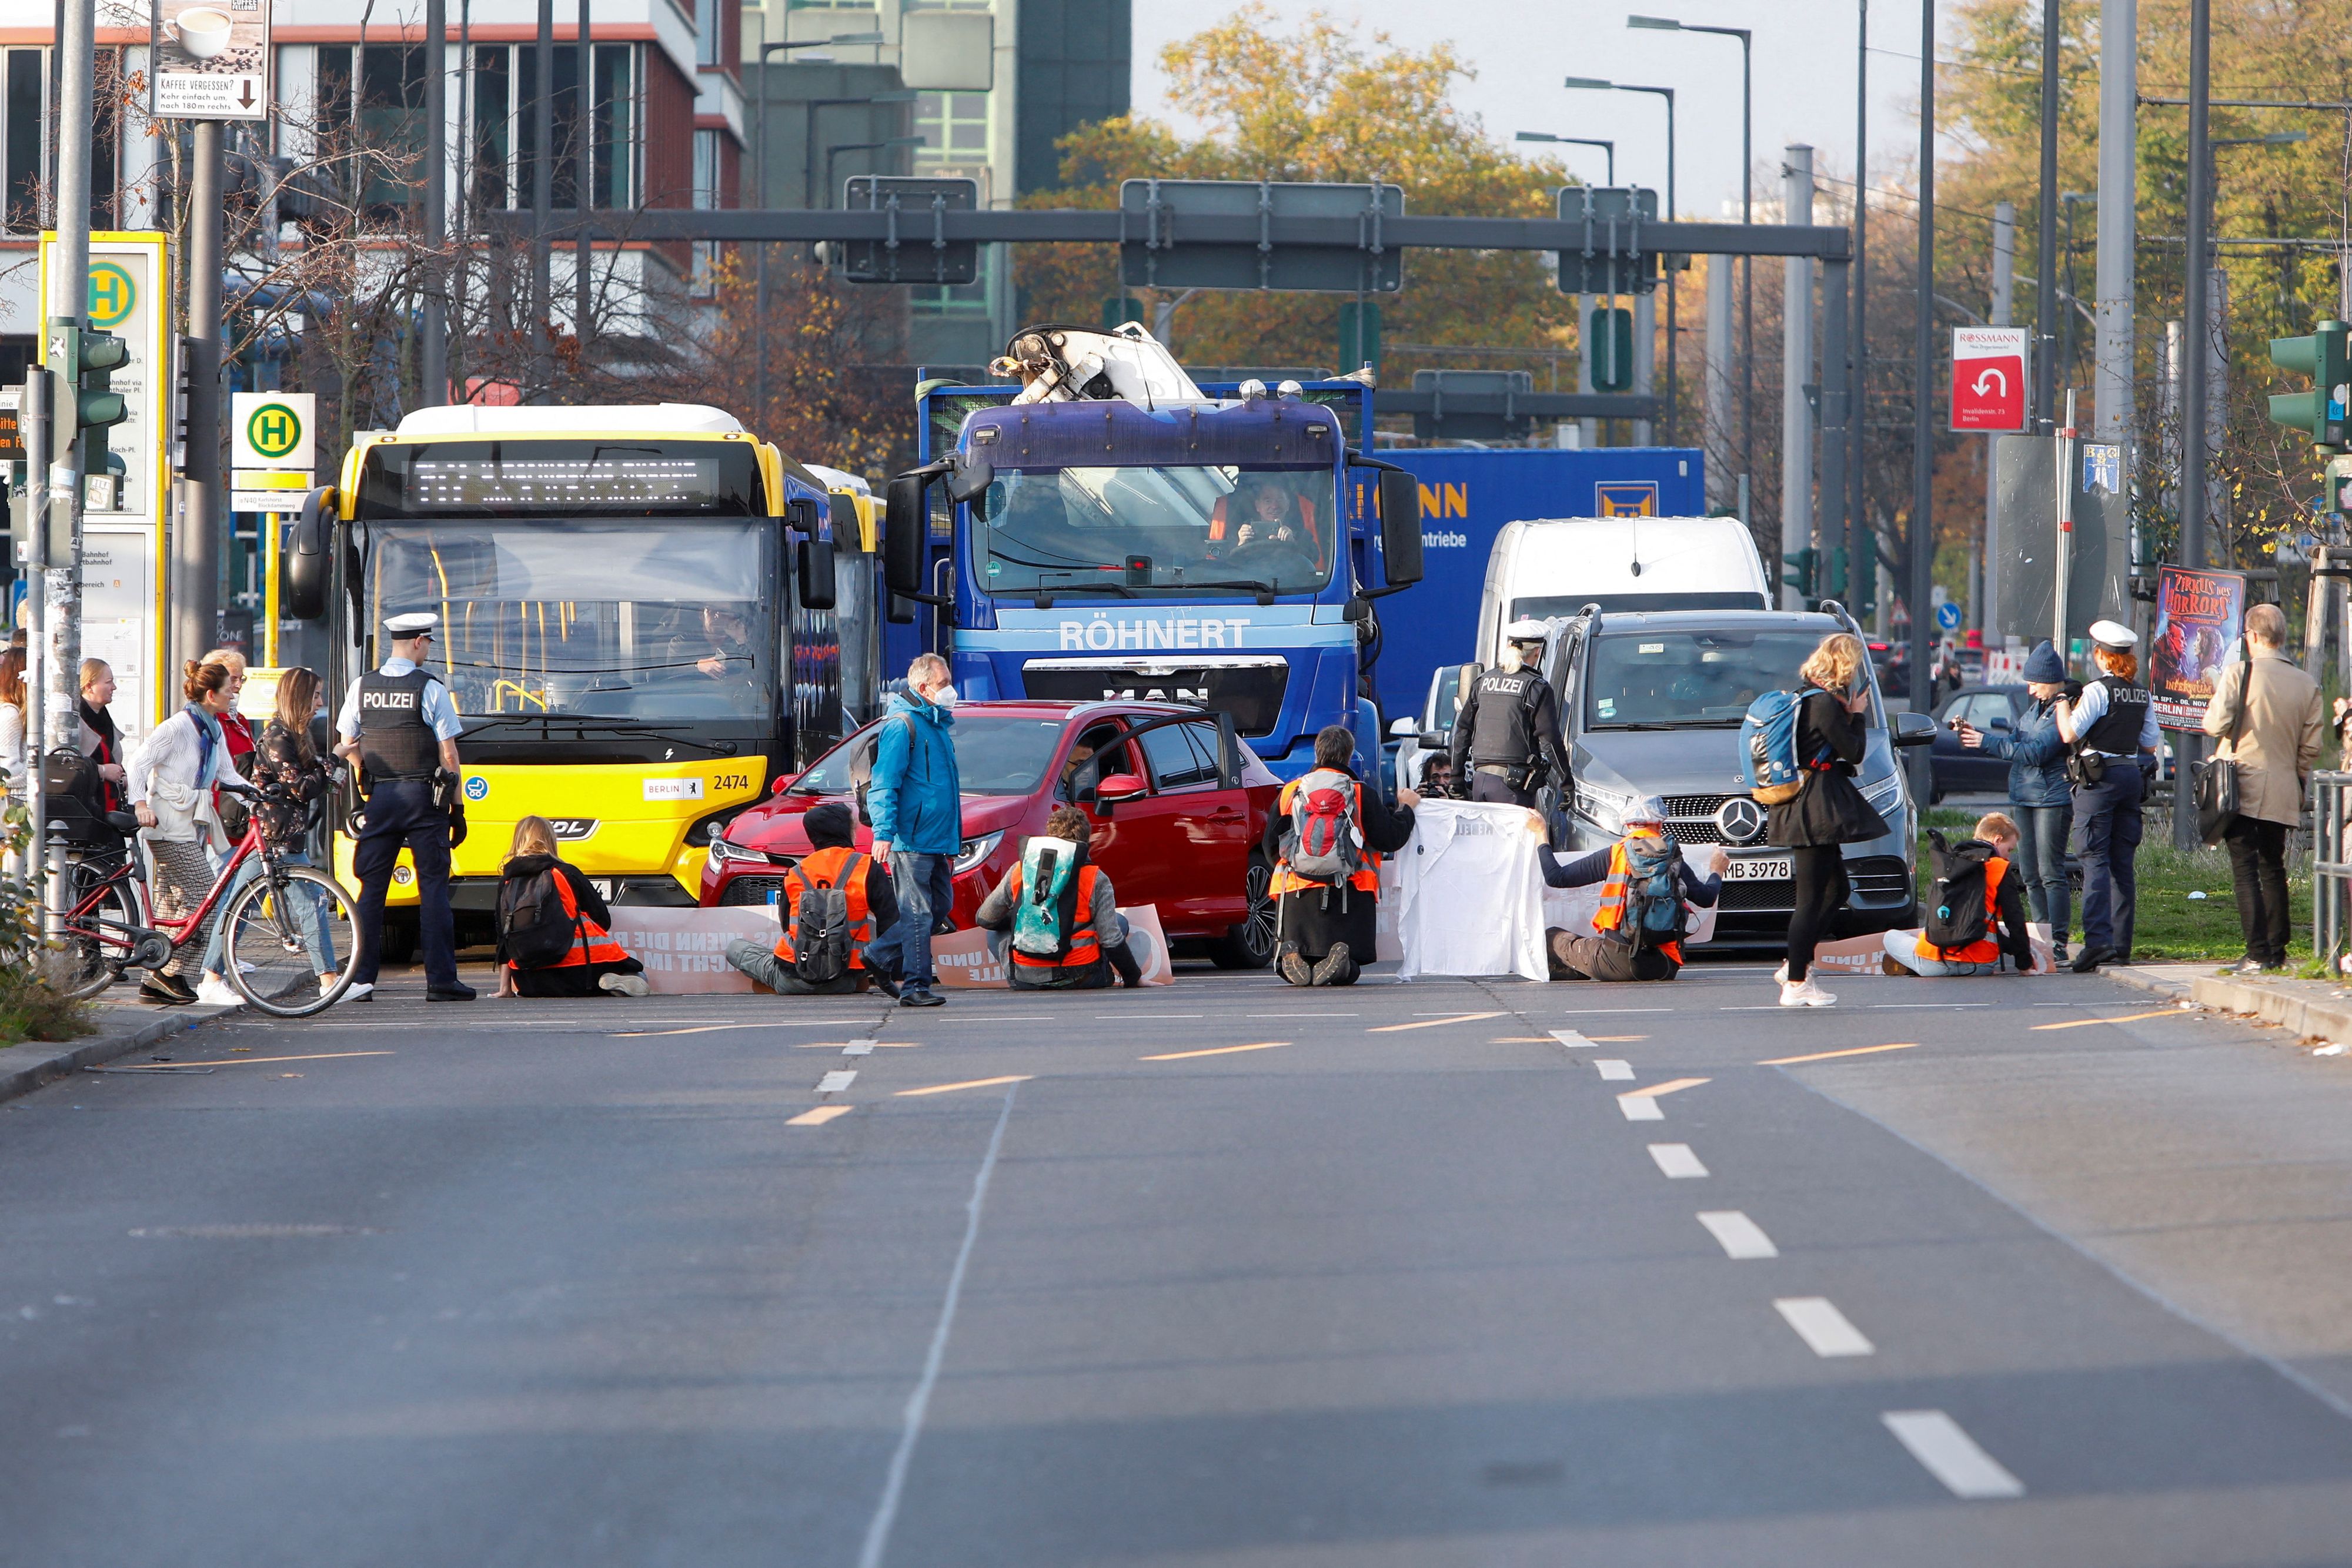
1820	885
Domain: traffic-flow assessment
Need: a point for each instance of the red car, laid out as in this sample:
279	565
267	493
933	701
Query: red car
1179	803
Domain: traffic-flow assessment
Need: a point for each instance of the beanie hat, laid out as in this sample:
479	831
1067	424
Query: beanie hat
829	826
2045	666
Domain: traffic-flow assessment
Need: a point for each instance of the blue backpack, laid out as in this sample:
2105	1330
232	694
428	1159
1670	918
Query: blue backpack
1768	765
1654	891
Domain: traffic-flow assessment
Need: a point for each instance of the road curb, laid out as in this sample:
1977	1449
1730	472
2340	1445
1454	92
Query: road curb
2313	1014
25	1068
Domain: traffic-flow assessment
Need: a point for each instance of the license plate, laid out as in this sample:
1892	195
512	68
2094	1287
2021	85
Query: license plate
1761	868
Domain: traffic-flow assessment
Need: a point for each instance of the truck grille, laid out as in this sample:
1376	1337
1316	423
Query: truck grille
1249	688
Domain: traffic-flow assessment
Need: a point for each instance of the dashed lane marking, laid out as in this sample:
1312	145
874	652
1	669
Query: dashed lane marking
1430	1023
1596	1012
1740	1237
2128	1018
1214	1050
1822	1327
249	1060
1150	1015
1615	1039
1826	1055
967	1084
1671	1086
1677	1161
1614	1071
1305	1015
838	1079
1914	1006
1951	1455
818	1116
1570	1039
705	1028
1639	1108
858	1048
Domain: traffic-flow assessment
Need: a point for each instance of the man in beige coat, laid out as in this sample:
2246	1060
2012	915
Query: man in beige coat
2277	742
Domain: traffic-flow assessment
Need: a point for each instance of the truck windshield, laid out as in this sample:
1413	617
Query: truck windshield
1688	679
1211	531
632	621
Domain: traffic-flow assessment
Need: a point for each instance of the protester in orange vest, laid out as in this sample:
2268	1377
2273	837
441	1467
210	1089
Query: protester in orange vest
552	936
1067	941
1624	951
871	905
1325	915
2005	934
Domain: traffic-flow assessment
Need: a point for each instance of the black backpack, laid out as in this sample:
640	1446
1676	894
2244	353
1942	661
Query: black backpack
1956	906
534	931
822	935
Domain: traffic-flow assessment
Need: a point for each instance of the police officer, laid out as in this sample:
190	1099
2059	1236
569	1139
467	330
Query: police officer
1507	734
403	726
2113	730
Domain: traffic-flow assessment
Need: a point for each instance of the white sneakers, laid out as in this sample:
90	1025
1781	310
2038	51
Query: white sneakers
1805	994
1780	975
627	984
361	991
217	993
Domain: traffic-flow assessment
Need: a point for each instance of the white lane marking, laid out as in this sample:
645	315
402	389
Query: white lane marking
839	1079
1570	1039
1951	1455
1821	1326
1610	1068
1007	1018
1640	1107
1163	1015
1913	1006
1676	1160
1740	1236
894	1485
1298	1015
858	1048
1594	1012
819	1116
1759	1008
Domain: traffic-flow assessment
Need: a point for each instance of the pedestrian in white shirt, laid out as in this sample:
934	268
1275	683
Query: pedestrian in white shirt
171	781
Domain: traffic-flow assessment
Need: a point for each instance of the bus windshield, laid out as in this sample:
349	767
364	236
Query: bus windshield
1217	532
629	620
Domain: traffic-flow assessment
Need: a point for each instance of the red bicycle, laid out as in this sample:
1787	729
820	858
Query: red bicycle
289	932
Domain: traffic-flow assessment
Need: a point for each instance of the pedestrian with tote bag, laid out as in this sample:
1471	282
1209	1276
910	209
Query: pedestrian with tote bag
2272	717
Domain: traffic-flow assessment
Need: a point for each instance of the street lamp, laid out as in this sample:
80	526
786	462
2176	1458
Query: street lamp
1747	215
840	147
1608	147
1595	85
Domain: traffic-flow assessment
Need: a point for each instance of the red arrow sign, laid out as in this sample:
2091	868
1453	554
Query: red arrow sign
1988	378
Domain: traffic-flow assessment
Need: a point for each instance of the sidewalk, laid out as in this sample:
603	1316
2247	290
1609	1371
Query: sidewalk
123	1030
2310	1009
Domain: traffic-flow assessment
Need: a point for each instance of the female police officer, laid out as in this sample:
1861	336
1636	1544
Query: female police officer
2112	727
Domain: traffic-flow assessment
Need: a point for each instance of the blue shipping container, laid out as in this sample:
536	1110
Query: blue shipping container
1468	493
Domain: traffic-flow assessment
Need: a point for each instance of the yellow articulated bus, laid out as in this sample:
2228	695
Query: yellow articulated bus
641	622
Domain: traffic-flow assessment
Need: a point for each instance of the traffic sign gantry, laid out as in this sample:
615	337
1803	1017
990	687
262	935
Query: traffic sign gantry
1989	379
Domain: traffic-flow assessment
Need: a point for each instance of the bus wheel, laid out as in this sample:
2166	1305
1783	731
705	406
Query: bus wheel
399	939
1250	945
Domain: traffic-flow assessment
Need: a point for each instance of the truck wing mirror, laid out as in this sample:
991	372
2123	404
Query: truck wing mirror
802	515
812	566
1400	503
310	563
970	476
904	530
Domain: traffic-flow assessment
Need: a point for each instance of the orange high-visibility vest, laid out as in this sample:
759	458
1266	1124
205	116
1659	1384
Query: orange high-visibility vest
1611	913
1368	875
1086	944
590	942
1984	950
840	867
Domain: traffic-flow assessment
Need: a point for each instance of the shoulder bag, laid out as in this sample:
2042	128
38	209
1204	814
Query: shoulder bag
2217	775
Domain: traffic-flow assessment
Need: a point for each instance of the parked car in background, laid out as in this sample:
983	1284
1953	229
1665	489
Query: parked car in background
1959	770
1545	566
1419	736
1179	804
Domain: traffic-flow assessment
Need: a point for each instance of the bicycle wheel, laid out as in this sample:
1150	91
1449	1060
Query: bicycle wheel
291	941
84	965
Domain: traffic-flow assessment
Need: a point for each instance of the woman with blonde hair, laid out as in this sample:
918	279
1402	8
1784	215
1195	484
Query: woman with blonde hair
554	930
1827	812
2112	727
100	741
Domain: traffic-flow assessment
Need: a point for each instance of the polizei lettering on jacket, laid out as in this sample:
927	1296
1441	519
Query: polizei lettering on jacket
1106	635
400	700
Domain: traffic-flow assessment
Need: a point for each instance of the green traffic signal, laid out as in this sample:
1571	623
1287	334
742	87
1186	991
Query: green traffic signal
95	404
2326	357
1797	569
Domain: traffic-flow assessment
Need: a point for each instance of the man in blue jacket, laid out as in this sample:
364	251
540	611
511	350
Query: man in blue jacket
916	803
2038	795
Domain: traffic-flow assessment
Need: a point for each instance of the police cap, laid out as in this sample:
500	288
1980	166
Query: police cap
2114	636
1525	629
416	623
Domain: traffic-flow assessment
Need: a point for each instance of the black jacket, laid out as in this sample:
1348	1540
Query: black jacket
1387	829
518	875
1830	809
1586	870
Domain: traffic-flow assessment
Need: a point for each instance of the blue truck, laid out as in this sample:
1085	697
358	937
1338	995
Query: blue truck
1226	551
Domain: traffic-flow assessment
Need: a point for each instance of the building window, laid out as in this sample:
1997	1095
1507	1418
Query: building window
954	126
506	125
24	111
707	50
707	163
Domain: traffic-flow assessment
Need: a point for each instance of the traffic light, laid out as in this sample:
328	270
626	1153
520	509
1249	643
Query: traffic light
2326	358
1797	570
2339	498
1837	582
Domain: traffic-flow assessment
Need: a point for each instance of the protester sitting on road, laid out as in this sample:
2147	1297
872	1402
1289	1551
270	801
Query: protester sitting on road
2272	714
1326	836
916	804
171	789
1993	852
554	935
1645	882
834	900
1054	916
2038	795
1829	812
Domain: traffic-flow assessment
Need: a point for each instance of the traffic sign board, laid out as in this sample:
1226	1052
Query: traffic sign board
1988	378
1947	616
273	430
211	59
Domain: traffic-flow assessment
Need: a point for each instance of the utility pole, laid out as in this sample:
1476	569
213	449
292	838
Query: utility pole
2114	279
584	175
2198	311
542	198
1645	357
68	306
196	554
2004	306
1861	549
2045	256
1796	372
433	351
1719	444
1923	387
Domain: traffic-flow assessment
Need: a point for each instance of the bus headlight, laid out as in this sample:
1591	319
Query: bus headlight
971	851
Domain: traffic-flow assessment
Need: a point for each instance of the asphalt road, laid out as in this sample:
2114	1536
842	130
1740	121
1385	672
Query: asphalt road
2040	1272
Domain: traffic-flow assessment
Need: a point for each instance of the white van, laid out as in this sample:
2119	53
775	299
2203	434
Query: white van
1556	566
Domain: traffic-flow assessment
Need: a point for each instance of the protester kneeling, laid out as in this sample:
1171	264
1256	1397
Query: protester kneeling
1645	883
1975	919
836	900
553	939
1055	917
1325	837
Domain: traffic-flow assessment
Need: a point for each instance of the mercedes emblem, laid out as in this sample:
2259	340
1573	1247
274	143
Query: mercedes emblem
1740	819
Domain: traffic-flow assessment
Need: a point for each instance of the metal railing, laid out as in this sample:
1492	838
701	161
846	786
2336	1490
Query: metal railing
2331	867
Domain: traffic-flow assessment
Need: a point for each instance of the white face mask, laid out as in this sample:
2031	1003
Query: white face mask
945	696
